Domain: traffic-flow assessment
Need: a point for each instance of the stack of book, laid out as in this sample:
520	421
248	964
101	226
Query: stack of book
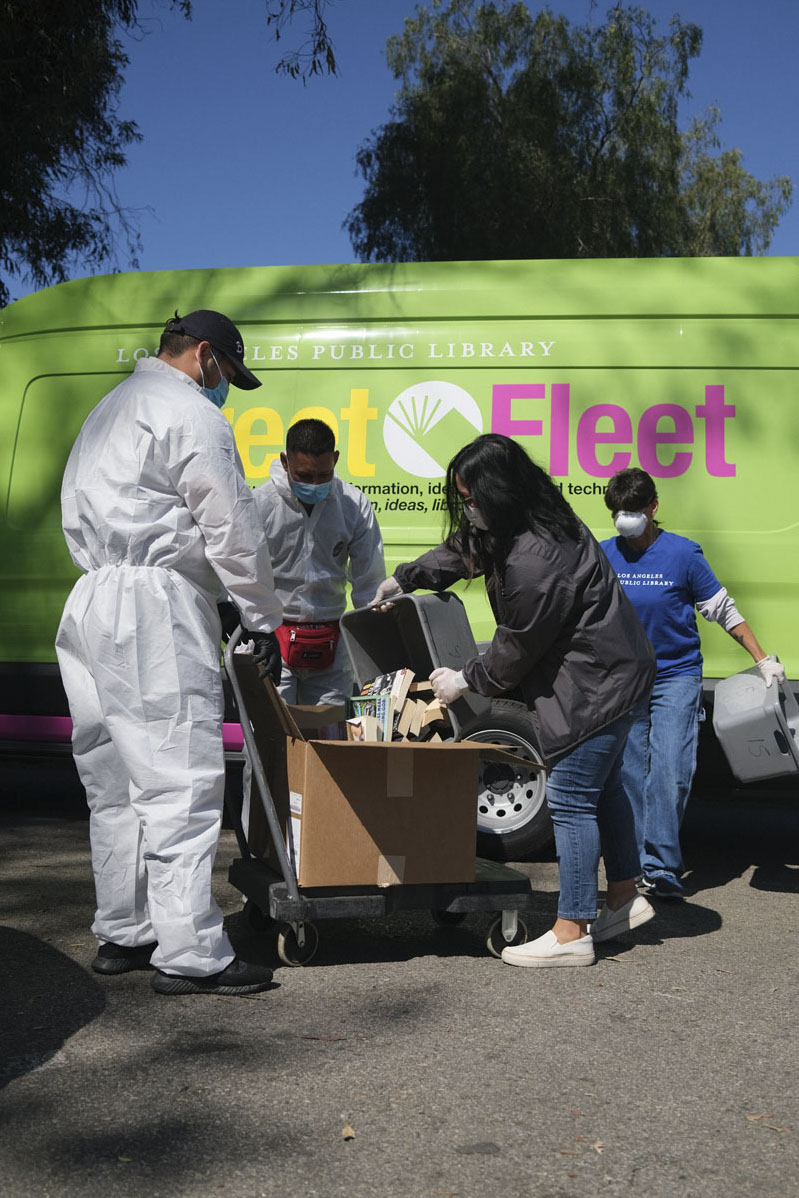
394	706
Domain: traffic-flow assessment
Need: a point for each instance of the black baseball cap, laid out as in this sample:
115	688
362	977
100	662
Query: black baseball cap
223	336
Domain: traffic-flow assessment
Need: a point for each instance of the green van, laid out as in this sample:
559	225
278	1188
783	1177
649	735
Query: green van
686	367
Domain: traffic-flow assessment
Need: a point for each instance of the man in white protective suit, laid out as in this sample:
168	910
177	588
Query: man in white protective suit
322	536
157	515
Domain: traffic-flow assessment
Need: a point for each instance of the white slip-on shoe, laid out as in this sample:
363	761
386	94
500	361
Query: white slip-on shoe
547	950
610	923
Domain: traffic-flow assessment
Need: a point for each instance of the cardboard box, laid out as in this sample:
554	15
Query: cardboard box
363	814
381	814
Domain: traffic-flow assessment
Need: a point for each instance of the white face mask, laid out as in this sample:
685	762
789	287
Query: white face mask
631	524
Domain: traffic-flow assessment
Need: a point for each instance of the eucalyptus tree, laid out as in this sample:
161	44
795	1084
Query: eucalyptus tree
516	135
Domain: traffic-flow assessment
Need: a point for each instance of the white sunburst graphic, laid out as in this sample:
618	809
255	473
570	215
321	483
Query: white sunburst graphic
427	424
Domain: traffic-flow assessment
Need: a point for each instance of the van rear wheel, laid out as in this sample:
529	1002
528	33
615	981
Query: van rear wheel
513	820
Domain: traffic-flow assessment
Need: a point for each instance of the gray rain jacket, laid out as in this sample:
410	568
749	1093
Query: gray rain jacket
567	635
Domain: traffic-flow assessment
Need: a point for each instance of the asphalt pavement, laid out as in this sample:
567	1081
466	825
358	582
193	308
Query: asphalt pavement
405	1061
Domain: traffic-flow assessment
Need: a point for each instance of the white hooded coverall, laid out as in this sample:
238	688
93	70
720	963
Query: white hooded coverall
156	513
314	557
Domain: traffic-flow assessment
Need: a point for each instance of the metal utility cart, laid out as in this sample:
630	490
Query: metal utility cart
276	900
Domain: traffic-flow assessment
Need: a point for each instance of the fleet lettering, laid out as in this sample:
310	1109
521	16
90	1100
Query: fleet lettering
665	440
605	438
263	428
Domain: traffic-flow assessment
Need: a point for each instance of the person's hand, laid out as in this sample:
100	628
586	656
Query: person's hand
448	685
770	669
389	589
266	653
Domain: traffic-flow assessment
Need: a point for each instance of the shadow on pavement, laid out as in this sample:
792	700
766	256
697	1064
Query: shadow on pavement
145	1149
46	998
725	836
673	921
404	936
42	785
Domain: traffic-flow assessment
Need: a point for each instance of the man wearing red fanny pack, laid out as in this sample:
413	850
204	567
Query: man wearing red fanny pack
323	536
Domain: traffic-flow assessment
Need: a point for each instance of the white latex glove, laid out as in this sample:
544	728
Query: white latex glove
389	589
448	685
770	668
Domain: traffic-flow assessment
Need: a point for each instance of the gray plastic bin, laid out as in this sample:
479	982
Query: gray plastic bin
757	726
422	632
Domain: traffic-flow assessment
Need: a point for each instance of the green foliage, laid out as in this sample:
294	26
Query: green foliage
62	136
729	212
316	55
516	136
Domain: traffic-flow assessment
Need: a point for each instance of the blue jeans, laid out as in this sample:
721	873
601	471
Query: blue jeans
592	816
659	765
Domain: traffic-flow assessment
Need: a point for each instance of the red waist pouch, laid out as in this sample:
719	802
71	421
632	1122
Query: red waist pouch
308	646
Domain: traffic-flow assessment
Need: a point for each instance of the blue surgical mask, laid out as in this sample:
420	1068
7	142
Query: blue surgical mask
310	492
217	394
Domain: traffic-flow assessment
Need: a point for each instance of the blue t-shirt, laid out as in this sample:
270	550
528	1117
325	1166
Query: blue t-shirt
663	582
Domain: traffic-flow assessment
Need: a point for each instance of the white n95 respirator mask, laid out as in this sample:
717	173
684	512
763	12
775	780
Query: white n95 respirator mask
630	524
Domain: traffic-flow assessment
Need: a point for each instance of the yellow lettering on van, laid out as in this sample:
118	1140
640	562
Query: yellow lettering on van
314	413
358	414
248	439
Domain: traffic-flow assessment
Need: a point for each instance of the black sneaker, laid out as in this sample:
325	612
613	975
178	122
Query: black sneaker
119	958
663	887
239	978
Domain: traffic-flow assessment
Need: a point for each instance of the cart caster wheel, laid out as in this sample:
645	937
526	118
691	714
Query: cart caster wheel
290	951
255	919
495	941
448	919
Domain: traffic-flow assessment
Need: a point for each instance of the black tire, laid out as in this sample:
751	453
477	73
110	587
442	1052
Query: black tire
513	820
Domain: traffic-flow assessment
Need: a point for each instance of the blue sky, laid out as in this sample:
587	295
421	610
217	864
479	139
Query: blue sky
241	167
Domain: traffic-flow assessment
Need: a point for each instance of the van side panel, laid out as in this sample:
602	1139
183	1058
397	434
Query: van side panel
685	367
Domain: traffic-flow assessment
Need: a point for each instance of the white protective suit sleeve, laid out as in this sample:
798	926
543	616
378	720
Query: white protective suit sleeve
212	486
367	567
720	609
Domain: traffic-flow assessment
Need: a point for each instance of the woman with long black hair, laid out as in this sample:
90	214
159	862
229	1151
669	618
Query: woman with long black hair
569	639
